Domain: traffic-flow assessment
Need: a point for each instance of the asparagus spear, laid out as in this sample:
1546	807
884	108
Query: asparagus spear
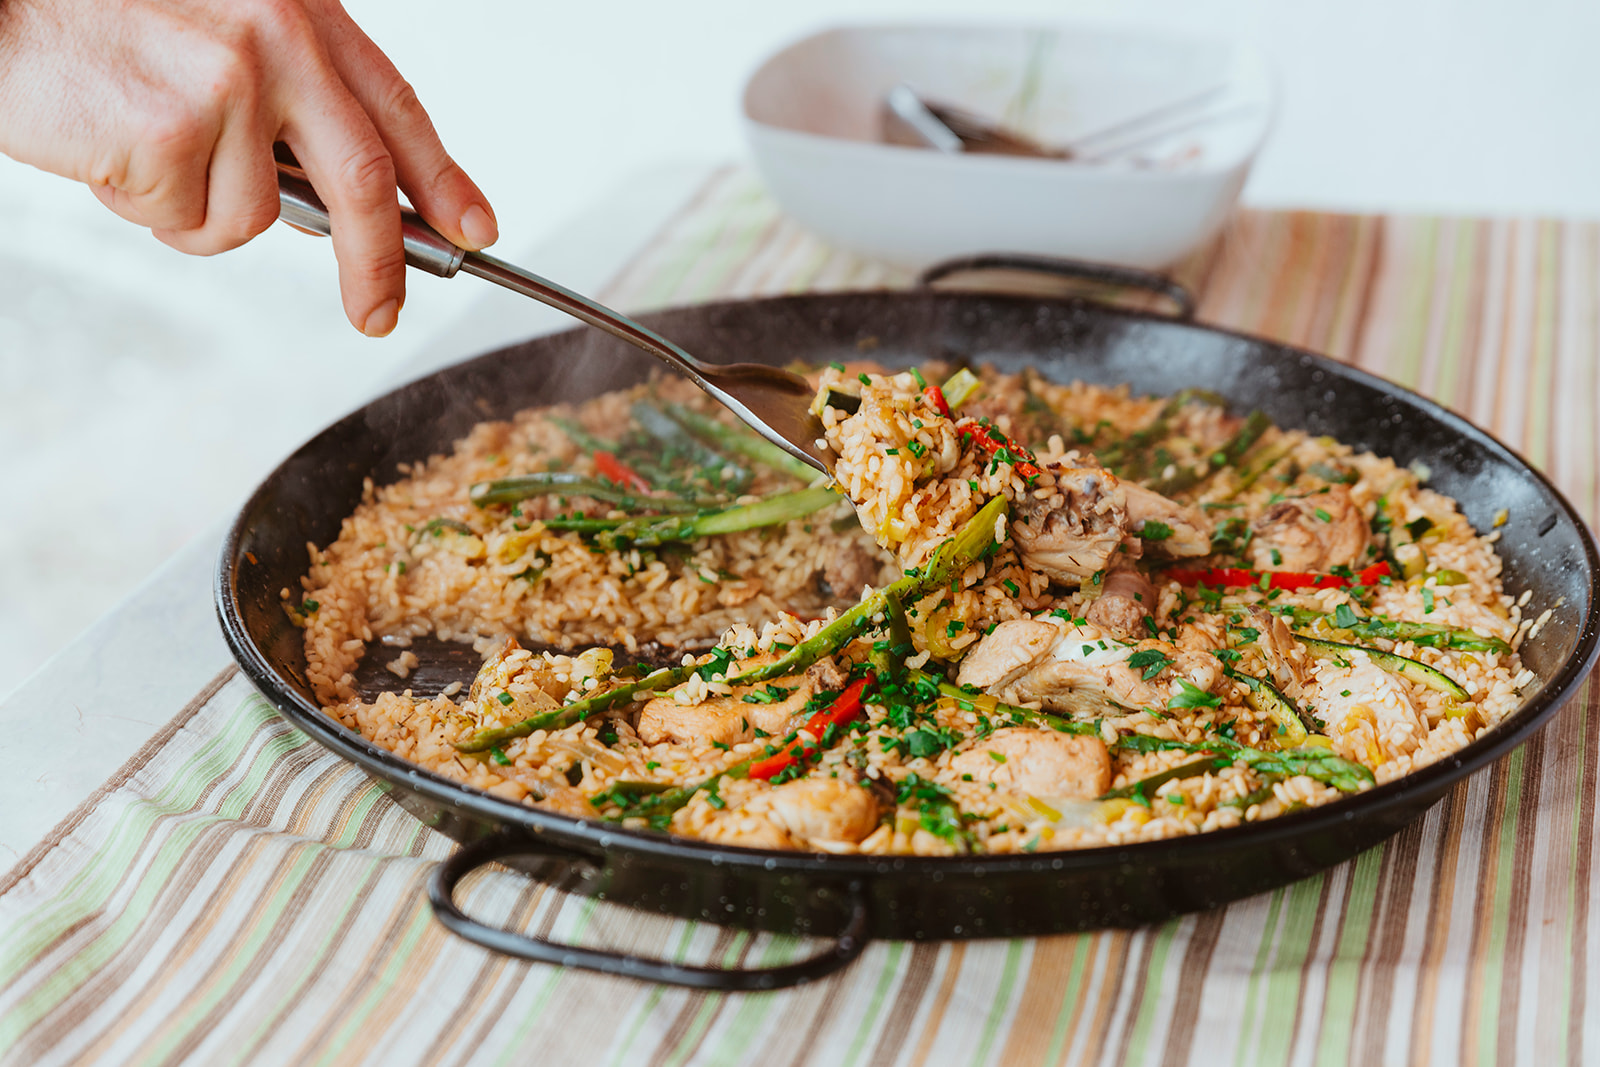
649	531
952	557
561	718
1269	458
1120	452
1142	787
1432	635
989	705
677	441
566	483
888	656
1255	424
1312	760
751	446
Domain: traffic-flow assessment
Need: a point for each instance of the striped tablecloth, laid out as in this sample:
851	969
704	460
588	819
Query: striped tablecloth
236	894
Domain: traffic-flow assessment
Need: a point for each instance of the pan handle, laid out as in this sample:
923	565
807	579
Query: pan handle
1099	273
441	895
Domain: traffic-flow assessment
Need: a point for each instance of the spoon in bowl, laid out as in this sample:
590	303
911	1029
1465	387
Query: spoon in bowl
775	403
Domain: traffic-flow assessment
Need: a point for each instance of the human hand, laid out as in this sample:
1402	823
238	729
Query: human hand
168	111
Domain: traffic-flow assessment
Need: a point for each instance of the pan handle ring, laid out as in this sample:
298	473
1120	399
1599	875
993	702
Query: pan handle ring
1098	273
846	947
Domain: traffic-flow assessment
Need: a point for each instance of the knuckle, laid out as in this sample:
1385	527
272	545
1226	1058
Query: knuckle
241	226
378	267
399	104
367	175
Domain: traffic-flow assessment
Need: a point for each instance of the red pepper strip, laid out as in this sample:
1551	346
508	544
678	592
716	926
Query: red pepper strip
612	468
1286	580
845	707
991	441
935	397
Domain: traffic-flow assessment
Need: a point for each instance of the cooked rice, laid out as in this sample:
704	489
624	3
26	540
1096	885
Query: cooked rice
489	575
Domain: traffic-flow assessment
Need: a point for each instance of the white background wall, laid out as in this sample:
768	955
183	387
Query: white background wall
143	393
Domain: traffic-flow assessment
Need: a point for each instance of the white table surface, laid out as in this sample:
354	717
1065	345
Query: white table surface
95	703
121	363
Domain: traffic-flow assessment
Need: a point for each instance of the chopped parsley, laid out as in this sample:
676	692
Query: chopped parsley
1155	531
1345	618
1192	696
1152	661
506	699
772	694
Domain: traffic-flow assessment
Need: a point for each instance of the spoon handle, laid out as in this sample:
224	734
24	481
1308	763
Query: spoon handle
428	250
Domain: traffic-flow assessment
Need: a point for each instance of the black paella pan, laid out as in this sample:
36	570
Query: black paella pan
1545	547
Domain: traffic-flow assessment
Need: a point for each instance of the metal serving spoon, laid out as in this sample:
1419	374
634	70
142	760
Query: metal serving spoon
775	403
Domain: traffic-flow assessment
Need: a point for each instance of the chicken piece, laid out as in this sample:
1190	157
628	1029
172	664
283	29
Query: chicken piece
1076	670
747	831
1285	658
1125	600
824	810
830	814
1008	652
561	798
1072	523
1065	670
1042	763
525	678
1311	533
850	569
730	720
1191	530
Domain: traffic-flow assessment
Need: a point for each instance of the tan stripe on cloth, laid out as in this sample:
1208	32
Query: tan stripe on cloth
237	894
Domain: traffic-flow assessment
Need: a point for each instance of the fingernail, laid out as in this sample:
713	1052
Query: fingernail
382	321
478	227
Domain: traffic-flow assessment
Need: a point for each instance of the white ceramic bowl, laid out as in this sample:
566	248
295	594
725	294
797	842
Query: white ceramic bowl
814	121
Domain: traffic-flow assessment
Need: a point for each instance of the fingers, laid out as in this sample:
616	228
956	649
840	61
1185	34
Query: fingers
241	186
438	188
350	168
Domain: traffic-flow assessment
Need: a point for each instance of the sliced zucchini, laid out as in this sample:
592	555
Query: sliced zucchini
1294	725
1409	669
